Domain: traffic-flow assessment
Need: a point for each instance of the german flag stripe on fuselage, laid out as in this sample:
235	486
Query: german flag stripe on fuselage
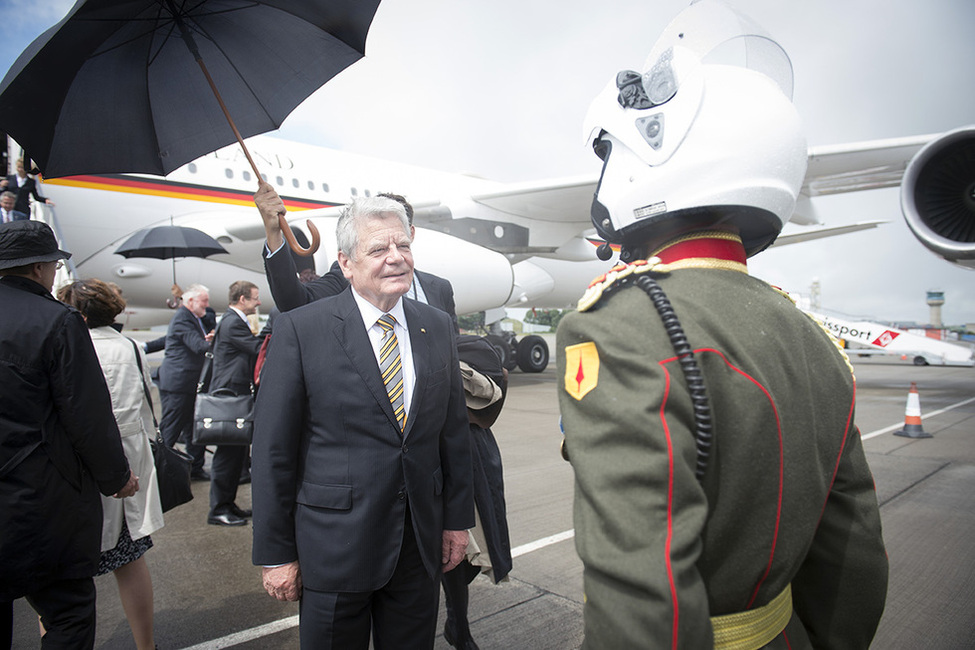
162	187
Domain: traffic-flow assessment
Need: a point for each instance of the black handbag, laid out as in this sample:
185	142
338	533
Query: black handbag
172	465
223	418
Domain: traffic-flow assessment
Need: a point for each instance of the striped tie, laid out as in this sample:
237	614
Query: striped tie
391	367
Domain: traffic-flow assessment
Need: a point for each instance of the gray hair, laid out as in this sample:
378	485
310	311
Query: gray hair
357	212
10	194
195	291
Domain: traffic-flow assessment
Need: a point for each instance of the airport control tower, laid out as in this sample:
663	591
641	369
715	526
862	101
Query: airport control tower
935	300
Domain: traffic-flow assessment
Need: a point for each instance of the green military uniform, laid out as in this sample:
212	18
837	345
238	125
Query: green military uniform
787	498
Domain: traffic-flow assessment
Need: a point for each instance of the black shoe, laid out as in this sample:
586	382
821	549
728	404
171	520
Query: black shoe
243	513
200	475
226	519
244	479
464	644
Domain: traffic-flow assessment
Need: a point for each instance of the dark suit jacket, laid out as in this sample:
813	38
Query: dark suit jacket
288	292
332	473
234	354
24	193
17	215
185	347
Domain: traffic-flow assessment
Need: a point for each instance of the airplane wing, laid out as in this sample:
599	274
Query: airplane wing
860	165
560	200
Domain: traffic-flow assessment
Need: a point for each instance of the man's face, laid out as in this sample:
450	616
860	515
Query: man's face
248	304
382	269
7	202
198	304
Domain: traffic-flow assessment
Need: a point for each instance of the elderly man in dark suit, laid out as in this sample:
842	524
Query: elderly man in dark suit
235	351
361	453
59	445
8	209
288	292
187	341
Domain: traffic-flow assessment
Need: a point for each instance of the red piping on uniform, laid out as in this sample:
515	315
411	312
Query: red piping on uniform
670	507
839	456
778	428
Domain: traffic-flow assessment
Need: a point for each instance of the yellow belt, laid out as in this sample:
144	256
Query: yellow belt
756	627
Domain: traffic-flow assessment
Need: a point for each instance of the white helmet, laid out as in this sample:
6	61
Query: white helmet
697	140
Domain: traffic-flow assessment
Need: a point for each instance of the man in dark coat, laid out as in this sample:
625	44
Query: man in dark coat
59	445
288	292
234	354
187	341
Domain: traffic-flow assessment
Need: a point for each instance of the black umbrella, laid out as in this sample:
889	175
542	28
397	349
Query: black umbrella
170	242
112	88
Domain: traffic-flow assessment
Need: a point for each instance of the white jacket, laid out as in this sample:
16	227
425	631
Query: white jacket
142	511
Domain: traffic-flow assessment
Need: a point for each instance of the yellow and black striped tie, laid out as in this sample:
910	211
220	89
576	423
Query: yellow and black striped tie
391	367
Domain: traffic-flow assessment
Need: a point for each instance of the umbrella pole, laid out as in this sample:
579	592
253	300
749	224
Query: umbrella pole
282	222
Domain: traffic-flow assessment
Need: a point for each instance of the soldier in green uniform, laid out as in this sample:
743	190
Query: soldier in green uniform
722	494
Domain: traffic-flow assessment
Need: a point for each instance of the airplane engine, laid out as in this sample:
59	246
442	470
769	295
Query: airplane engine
938	196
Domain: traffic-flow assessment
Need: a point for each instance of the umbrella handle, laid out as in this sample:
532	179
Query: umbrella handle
289	236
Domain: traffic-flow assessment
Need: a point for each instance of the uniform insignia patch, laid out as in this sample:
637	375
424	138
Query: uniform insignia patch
581	369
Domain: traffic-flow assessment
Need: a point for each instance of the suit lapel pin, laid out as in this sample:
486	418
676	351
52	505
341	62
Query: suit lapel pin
423	330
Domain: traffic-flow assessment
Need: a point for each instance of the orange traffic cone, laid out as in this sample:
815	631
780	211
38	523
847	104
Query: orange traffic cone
912	417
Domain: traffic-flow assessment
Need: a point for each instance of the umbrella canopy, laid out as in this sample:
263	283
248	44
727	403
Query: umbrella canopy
166	242
113	87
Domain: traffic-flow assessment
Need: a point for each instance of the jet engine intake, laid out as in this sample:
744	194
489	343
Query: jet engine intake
938	196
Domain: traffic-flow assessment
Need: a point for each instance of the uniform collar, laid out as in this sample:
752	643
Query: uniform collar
707	249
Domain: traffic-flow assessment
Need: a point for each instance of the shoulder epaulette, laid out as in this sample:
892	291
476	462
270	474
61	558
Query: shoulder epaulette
599	286
832	337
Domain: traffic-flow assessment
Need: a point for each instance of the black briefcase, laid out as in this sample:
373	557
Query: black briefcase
223	418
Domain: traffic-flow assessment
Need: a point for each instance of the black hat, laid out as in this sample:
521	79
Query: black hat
27	242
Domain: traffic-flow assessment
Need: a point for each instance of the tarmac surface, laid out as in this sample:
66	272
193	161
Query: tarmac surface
208	595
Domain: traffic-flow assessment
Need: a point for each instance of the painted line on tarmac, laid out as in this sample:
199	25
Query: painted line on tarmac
897	427
245	636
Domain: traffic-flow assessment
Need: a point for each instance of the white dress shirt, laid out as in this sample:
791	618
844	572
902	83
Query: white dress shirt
370	314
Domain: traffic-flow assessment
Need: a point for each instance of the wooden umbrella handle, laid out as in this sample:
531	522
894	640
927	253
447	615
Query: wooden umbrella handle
285	228
289	237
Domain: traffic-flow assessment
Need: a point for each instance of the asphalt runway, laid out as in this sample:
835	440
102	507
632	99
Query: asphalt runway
208	595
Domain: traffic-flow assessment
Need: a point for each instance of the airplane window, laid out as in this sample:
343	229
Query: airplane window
325	187
311	185
294	181
229	172
280	180
367	193
264	177
355	192
192	168
246	175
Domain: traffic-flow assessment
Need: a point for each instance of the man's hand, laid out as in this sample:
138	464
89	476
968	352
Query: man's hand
131	487
271	206
209	335
283	582
454	548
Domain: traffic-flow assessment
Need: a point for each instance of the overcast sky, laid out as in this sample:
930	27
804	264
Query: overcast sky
500	89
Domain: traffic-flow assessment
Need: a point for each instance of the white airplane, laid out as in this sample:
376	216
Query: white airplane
522	245
500	244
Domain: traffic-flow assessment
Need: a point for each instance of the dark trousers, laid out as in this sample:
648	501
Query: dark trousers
402	614
67	610
225	469
177	421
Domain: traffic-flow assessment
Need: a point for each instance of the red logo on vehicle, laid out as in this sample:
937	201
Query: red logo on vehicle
886	338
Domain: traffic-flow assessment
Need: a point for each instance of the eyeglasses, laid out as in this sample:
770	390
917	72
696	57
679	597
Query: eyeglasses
58	265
